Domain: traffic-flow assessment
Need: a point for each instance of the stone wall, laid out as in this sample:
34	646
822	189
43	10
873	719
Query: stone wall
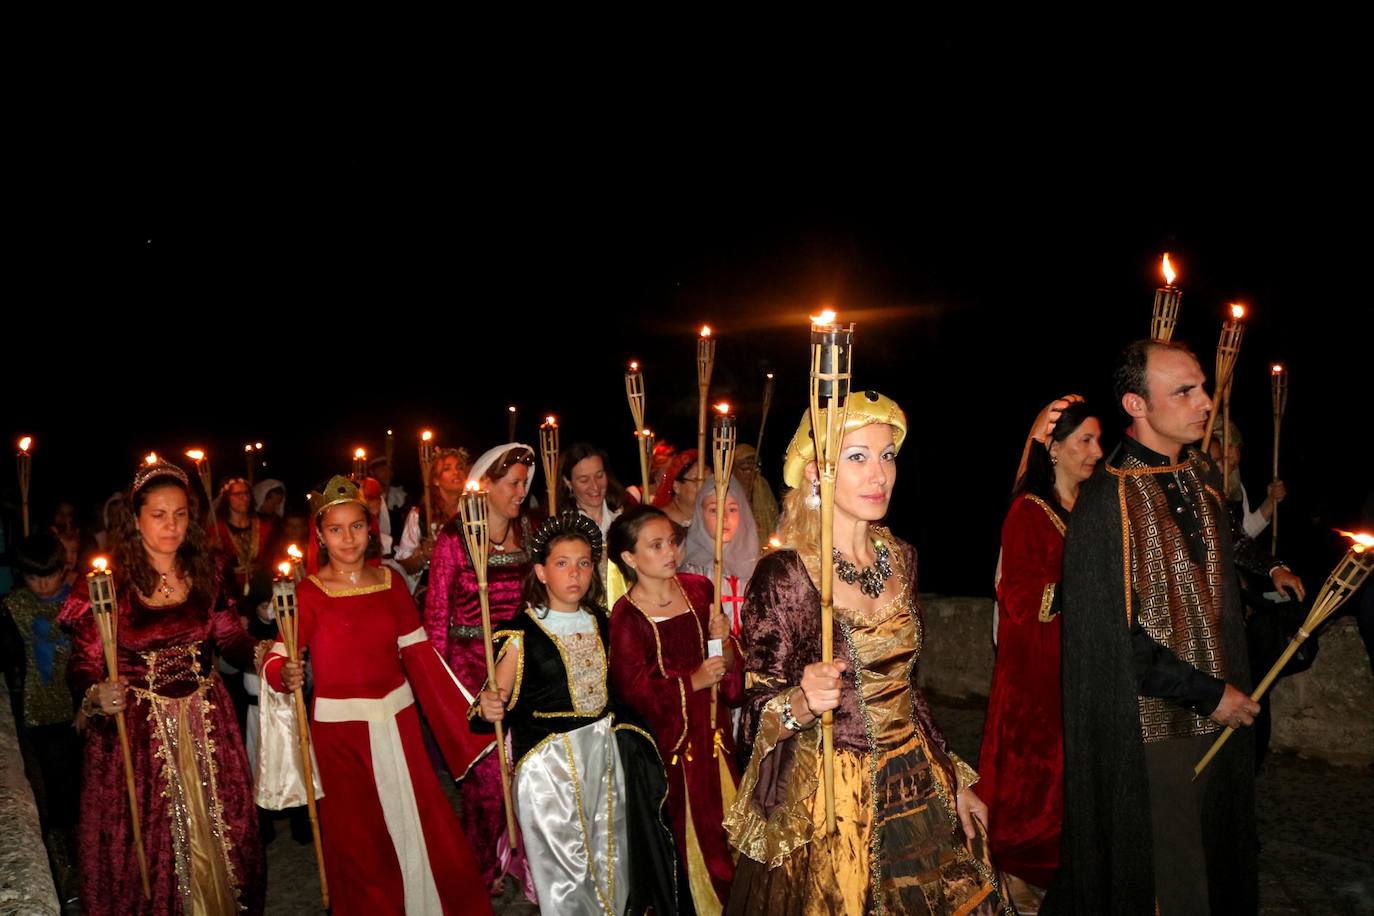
1326	713
26	884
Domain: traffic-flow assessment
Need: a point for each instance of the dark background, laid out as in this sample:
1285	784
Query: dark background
310	283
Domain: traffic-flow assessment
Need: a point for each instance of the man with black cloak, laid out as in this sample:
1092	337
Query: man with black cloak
1154	665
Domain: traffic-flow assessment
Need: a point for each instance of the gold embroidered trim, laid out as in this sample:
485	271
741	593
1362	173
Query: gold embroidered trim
605	895
359	590
658	650
568	668
1054	516
1047	603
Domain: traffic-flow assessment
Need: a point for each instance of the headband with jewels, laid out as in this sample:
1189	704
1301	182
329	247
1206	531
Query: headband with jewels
150	472
565	524
338	491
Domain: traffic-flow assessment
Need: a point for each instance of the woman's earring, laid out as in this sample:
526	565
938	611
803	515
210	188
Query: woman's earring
813	499
1054	459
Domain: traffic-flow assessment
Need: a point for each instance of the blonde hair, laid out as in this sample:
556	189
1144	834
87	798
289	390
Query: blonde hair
800	529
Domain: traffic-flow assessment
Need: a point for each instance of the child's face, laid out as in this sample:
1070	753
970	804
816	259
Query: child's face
44	586
567	573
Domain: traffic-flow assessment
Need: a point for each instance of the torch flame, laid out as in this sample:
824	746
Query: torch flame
648	432
770	375
1278	369
294	552
257	445
775	542
426	436
1169	274
284	568
472	486
25	442
511	408
705	330
195	455
359	454
827	316
550	420
248	446
1363	540
634	366
100	563
390	433
150	458
1237	311
723	409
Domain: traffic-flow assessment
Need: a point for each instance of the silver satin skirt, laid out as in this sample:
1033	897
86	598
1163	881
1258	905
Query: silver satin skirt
570	798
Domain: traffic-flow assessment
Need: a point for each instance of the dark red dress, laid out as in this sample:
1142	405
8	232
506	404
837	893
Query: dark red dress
1022	761
651	673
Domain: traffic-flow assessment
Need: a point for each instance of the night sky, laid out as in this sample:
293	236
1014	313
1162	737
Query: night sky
312	288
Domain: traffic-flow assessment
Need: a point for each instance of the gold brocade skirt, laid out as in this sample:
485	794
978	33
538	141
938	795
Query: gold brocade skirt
905	854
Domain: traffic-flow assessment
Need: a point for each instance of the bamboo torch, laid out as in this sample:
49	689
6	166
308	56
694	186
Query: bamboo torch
390	448
724	432
706	363
1228	348
359	465
1343	582
472	510
202	461
763	416
1278	389
831	354
634	392
250	458
1226	436
24	462
427	462
1166	304
105	610
284	606
513	415
548	451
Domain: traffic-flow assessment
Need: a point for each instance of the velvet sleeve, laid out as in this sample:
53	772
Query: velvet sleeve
656	695
443	567
774	653
87	663
1032	561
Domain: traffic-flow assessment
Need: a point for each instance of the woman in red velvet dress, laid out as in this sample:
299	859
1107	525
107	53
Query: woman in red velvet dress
1022	759
660	669
453	619
200	828
392	843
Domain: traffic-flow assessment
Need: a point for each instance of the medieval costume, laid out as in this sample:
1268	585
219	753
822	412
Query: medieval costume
392	843
762	503
737	559
652	660
595	842
899	846
1153	632
245	547
1022	757
191	776
453	620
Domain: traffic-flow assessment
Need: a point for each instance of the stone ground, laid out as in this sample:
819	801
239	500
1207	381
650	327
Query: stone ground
1316	826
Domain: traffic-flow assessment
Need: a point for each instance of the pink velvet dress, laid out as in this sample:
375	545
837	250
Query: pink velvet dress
453	620
195	796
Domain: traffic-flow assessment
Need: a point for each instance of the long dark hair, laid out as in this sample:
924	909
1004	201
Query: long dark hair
581	451
624	535
536	593
1038	479
193	557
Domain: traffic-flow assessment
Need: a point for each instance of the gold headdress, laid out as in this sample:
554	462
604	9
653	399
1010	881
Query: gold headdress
338	491
152	471
865	409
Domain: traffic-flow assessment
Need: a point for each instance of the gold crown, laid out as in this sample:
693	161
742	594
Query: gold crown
865	409
158	468
338	491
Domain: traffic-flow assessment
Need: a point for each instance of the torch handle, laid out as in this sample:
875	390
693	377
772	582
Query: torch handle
1274	516
485	600
107	633
288	632
828	641
703	390
1264	685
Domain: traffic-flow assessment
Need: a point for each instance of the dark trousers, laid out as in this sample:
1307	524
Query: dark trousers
1176	815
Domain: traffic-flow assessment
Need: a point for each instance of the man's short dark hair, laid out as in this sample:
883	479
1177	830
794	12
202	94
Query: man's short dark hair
40	554
1128	375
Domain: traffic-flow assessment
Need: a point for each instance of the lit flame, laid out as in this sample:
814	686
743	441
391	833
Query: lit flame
1363	541
195	455
390	433
25	442
827	316
648	432
359	454
426	436
100	564
294	552
634	366
511	408
150	458
472	486
257	445
705	330
770	375
1237	311
284	568
1278	369
775	542
723	409
1169	274
550	420
248	446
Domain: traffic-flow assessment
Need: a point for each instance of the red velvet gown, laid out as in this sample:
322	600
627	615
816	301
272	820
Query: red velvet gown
1022	760
392	843
191	775
651	673
453	620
